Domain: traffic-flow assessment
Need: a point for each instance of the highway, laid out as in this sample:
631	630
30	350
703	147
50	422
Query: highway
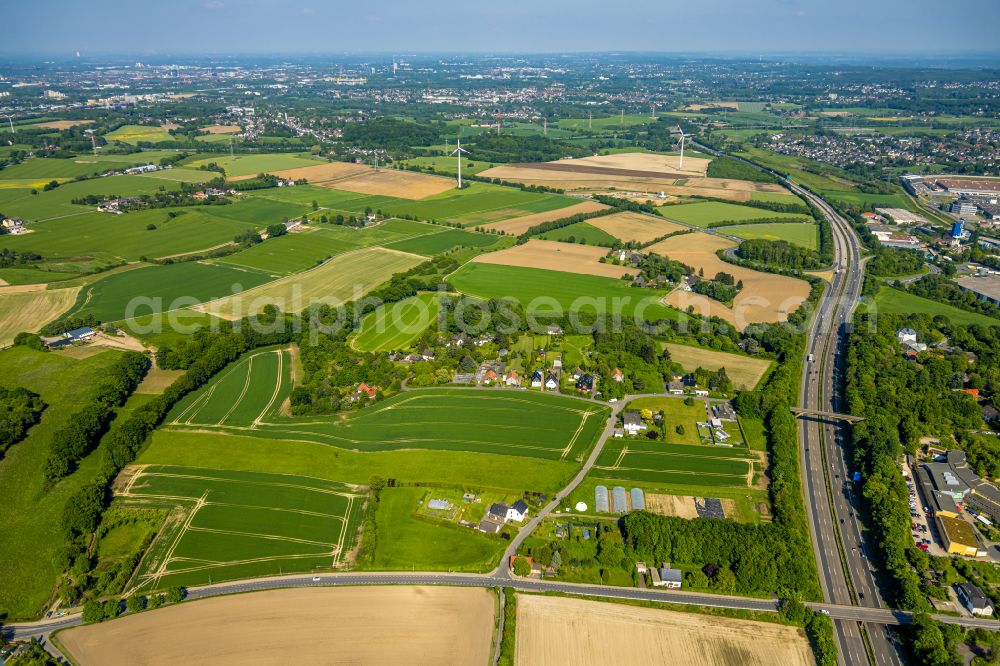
846	576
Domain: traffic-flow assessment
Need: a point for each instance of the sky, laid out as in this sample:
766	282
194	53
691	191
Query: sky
501	26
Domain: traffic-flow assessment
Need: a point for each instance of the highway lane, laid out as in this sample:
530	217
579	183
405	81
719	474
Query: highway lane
838	533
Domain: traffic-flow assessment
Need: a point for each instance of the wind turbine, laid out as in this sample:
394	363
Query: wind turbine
680	163
93	141
458	151
10	119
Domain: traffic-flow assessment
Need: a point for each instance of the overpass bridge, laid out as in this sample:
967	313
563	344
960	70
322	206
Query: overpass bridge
831	416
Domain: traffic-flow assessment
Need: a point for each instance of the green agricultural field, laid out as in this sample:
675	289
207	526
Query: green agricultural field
449	164
261	209
572	292
246	397
581	231
396	326
182	175
895	301
480	204
331	202
47	168
704	213
645	461
805	234
162	288
126	237
407	540
30	512
290	253
133	134
430	245
248	165
58	202
220	450
241	524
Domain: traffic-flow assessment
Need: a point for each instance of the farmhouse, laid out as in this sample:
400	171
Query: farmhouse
81	334
633	422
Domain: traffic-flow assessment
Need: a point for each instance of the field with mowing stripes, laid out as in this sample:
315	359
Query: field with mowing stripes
226	524
342	279
395	326
245	399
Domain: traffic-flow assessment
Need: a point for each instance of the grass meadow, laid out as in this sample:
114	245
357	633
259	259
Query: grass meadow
895	301
30	512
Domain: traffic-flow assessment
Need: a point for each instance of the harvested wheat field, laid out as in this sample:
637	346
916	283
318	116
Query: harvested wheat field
556	256
722	188
635	227
349	625
518	225
745	371
643	171
62	124
681	506
221	129
24	309
396	183
316	174
765	297
552	631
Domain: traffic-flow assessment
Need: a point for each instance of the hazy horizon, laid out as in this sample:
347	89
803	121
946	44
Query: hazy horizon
301	27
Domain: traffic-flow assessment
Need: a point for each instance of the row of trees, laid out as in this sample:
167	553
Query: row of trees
81	433
19	410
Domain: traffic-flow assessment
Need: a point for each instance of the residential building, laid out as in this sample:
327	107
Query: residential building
552	383
973	599
517	511
536	379
664	576
585	384
617	375
633	423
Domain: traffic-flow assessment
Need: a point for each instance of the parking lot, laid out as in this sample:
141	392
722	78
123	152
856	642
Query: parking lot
922	528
